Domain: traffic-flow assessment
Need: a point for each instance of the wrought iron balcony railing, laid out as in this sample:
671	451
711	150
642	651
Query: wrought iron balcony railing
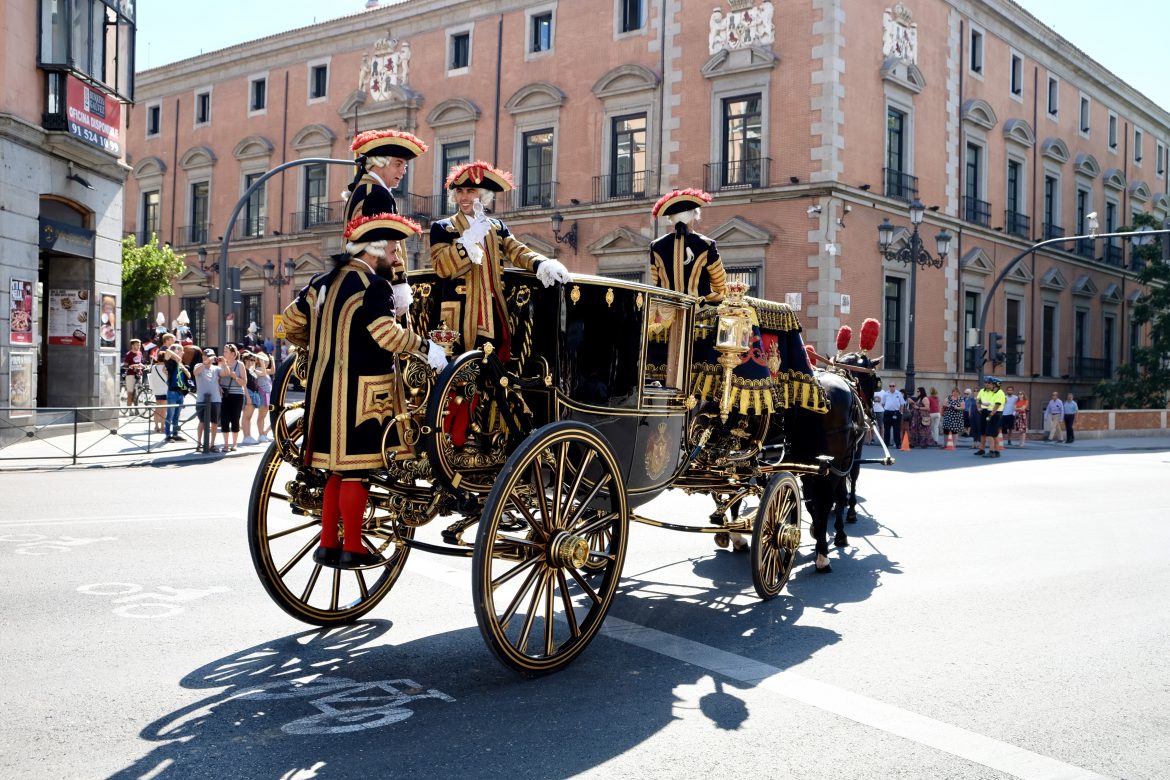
633	185
900	185
1017	224
737	174
977	211
1086	368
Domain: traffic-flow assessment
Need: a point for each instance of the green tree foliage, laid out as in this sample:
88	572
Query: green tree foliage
1143	382
147	272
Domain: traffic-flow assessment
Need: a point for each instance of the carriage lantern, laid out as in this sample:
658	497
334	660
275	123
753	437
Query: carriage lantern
733	338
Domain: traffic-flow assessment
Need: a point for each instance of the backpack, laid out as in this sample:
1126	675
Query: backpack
183	381
252	387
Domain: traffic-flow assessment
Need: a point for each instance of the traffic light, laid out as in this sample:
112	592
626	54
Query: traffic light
997	353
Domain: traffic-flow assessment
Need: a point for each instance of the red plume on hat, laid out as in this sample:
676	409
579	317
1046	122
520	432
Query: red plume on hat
812	354
869	333
843	337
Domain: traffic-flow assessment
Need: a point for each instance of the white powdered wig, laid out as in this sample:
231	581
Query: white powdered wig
371	248
377	162
686	217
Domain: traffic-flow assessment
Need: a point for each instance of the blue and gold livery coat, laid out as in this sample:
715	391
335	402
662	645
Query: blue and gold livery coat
688	262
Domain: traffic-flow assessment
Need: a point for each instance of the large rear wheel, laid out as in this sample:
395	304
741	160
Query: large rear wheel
550	547
284	527
775	535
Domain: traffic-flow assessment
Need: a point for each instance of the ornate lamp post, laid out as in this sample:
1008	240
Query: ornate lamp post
570	237
916	255
278	281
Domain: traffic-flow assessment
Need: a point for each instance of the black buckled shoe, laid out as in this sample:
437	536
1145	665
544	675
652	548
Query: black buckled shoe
356	560
326	556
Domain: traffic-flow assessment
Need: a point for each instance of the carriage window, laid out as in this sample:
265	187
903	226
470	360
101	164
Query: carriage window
665	343
601	341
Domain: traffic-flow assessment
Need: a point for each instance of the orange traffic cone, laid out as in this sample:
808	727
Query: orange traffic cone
950	441
905	441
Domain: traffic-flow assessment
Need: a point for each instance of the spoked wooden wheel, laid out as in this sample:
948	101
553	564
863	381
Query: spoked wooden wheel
286	406
541	592
284	526
776	535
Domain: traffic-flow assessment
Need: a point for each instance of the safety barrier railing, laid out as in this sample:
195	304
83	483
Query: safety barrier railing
71	435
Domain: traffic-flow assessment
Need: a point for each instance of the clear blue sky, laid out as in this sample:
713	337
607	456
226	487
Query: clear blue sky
1129	37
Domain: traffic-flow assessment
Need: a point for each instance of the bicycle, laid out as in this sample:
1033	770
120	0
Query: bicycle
141	402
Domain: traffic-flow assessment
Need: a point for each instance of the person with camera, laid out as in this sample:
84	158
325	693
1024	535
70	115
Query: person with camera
171	354
232	382
207	398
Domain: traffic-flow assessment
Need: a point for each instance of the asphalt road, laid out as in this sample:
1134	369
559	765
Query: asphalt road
989	619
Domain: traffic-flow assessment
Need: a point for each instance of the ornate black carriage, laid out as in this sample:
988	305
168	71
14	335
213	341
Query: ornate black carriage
538	465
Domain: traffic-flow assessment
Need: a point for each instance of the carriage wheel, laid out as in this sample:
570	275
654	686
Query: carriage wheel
284	526
286	407
542	592
776	535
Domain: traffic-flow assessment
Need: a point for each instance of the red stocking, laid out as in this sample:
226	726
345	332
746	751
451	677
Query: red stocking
331	512
353	511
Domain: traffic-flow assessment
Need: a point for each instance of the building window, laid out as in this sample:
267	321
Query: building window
153	120
196	308
254	208
1080	338
1052	228
93	37
1160	158
1013	336
749	275
1017	222
893	323
536	189
1048	337
453	154
1017	75
259	100
1084	114
151	205
460	51
253	311
1108	337
542	35
974	208
1112	130
1137	145
1135	339
742	141
202	108
631	15
316	203
899	184
1053	96
318	81
970	324
627	163
200	203
976	51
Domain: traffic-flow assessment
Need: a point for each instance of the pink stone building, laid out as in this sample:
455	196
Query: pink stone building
810	122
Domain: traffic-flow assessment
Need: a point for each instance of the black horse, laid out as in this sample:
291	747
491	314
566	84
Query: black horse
867	382
837	437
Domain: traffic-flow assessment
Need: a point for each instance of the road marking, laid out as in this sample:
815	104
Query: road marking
156	518
956	741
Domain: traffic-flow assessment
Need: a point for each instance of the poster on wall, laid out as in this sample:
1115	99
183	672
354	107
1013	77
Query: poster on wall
20	383
108	332
68	317
20	321
108	380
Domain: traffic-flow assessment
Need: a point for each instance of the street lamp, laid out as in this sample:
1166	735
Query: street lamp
570	237
278	280
916	255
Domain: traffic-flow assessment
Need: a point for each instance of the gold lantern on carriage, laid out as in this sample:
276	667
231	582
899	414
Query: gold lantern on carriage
733	338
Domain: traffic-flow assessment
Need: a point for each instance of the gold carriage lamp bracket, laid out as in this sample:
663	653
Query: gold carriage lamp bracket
733	338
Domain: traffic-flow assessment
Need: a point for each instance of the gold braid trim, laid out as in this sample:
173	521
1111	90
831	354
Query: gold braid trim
788	390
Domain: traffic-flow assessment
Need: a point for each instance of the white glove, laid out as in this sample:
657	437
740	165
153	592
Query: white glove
550	271
436	356
402	297
473	249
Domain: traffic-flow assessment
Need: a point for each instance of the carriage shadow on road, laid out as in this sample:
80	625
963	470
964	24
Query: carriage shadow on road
350	702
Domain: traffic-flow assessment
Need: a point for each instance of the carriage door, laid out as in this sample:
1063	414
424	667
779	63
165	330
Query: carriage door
664	392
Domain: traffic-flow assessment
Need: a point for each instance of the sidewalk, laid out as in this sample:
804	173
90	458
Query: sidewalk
130	441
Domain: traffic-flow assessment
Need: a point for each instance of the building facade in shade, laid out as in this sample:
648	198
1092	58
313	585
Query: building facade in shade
810	122
66	68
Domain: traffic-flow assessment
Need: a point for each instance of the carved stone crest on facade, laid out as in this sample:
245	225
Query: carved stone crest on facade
744	26
388	66
899	34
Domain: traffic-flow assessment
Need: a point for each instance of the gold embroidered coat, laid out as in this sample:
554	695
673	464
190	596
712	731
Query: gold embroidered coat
688	262
476	306
345	318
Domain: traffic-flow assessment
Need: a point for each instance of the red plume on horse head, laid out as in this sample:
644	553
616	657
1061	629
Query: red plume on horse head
812	354
869	333
843	336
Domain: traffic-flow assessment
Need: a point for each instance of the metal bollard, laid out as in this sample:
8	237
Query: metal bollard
206	419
